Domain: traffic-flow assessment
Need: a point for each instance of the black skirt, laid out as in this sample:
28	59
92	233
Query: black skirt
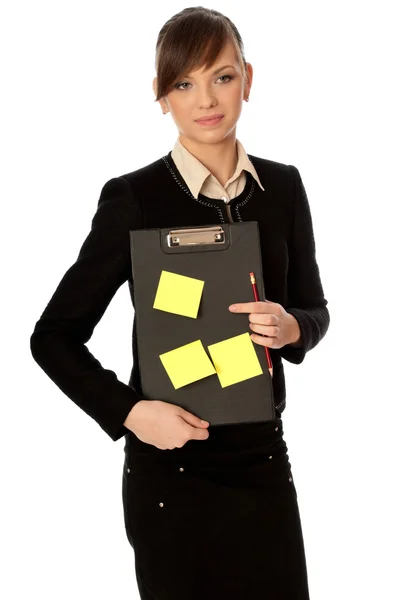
217	518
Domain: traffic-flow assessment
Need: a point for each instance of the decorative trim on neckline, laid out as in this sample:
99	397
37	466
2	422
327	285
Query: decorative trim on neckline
188	191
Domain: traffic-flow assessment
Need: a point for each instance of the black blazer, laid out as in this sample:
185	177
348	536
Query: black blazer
157	196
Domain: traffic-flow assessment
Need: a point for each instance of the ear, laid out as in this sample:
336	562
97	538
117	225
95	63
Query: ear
249	71
155	85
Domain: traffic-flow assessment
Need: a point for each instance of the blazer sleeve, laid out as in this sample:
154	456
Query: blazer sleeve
305	292
58	341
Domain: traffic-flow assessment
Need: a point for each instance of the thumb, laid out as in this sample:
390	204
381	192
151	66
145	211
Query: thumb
193	419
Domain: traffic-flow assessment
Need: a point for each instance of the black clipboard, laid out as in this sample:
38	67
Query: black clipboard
223	256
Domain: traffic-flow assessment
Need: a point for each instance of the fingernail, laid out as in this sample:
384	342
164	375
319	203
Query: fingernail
232	307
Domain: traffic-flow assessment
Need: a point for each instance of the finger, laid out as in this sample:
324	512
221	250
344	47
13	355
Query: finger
259	328
197	433
251	307
263	318
262	341
192	419
268	330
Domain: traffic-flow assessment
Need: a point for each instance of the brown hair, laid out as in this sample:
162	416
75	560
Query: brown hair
191	39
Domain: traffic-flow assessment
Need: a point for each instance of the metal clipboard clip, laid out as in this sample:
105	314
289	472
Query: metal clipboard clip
195	237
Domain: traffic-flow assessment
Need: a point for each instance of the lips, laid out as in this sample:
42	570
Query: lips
209	118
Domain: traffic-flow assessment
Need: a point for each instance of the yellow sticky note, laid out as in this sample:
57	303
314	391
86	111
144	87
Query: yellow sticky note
235	359
178	294
187	364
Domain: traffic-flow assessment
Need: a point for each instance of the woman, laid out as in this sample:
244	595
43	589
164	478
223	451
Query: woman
216	516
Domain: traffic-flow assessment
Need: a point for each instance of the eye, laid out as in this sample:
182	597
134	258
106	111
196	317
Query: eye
229	77
178	85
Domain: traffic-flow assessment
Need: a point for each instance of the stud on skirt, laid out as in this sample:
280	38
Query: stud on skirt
217	518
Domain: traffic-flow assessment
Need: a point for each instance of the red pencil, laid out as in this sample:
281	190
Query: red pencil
267	353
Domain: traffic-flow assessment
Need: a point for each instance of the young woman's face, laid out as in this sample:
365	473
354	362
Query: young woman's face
219	90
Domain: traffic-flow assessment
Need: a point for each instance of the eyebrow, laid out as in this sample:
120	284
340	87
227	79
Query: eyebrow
222	69
219	69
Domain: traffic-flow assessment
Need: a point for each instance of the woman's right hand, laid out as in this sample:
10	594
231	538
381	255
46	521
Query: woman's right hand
165	425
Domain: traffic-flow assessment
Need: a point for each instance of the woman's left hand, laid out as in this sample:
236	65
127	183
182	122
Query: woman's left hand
270	319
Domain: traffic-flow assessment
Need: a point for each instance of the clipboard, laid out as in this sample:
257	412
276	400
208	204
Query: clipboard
222	256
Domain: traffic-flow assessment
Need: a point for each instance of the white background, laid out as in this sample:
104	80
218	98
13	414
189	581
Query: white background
78	109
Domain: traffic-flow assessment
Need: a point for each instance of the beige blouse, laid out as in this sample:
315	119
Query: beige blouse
200	179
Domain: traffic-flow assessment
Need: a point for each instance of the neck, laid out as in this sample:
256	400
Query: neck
220	158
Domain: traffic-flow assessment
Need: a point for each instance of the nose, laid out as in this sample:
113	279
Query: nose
206	97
